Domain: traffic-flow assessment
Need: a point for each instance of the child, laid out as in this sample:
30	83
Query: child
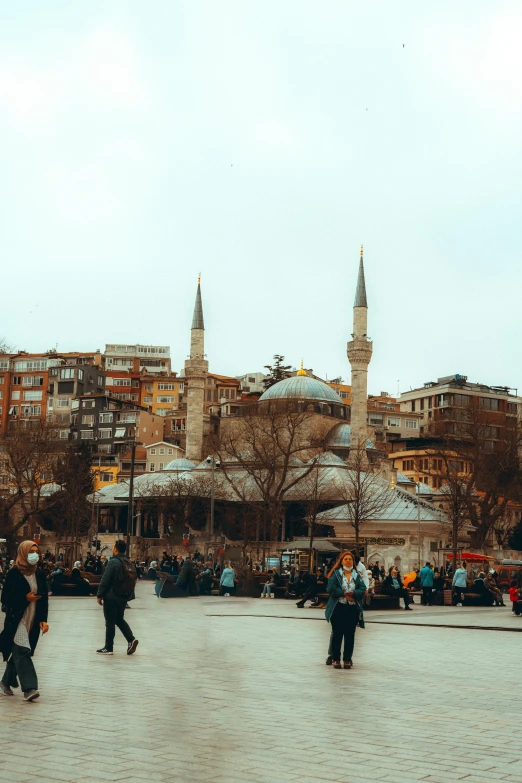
514	597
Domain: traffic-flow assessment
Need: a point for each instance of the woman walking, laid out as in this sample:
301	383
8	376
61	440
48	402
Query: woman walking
344	609
228	581
25	599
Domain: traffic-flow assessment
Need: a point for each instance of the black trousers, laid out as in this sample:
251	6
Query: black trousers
20	663
344	623
309	594
458	596
114	617
426	595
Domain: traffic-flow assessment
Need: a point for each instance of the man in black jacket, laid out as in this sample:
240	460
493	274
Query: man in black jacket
113	597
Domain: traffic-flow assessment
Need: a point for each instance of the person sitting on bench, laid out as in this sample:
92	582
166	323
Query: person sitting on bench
392	586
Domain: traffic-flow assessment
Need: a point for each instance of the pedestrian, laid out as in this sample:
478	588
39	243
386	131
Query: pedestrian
392	586
460	583
26	603
227	582
115	589
426	579
493	588
274	580
438	588
344	609
514	597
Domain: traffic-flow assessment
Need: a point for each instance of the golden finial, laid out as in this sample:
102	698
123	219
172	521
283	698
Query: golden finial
361	251
393	483
199	278
302	371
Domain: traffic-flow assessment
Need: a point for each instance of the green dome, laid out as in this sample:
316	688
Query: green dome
301	387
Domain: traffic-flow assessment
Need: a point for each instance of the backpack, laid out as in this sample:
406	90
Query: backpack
124	586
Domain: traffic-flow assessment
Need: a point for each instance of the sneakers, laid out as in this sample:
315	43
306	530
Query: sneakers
31	695
6	690
227	595
105	651
272	595
132	647
459	604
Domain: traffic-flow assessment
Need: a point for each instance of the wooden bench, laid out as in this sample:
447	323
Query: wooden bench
476	599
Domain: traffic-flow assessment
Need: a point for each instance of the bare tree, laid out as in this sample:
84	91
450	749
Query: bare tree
266	444
477	453
364	490
182	500
5	347
314	491
28	456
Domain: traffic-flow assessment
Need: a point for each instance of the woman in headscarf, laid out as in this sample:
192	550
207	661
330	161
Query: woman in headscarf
25	599
82	584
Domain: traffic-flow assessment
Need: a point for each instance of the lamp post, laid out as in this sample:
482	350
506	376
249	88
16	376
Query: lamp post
130	507
214	463
418	526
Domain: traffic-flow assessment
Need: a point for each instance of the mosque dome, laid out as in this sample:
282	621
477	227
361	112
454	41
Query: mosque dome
180	464
327	459
301	387
339	437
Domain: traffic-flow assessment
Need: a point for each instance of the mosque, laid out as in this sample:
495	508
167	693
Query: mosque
392	537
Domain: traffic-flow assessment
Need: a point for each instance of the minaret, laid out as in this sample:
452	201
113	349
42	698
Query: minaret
196	371
359	355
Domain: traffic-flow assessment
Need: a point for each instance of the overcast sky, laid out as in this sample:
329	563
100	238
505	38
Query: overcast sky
260	143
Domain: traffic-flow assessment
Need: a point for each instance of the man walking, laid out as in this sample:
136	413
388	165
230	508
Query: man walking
115	589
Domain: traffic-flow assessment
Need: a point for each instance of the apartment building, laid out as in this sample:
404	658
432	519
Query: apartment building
42	385
252	382
109	425
150	358
442	406
162	393
447	398
388	422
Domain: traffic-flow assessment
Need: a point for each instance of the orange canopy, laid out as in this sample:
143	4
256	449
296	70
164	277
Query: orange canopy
471	557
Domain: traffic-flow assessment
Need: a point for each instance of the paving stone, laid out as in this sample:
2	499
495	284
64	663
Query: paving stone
237	691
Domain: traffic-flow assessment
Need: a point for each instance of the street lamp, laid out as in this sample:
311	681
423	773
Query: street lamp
215	463
418	483
130	507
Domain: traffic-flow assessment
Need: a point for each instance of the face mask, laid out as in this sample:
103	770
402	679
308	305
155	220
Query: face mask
348	568
33	558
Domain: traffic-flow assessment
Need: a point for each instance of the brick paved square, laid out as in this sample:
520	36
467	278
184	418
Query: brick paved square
237	690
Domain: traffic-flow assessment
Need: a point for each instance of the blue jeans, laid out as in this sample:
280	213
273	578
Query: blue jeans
20	663
267	589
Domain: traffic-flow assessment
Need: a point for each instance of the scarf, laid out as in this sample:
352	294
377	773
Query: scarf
21	561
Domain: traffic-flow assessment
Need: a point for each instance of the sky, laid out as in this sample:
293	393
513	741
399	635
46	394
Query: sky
260	143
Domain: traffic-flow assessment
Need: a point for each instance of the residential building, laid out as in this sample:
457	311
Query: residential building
388	422
160	454
109	425
32	386
135	358
162	393
445	399
252	382
124	384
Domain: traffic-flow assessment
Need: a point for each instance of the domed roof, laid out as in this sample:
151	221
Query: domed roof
327	459
180	464
301	387
339	437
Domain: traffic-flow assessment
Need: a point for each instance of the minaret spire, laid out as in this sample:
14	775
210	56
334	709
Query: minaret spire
360	292
196	371
359	351
197	319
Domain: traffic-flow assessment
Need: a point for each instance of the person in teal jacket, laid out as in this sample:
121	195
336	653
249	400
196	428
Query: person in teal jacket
426	577
344	608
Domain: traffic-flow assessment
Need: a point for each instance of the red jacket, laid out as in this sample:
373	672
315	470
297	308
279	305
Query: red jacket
513	594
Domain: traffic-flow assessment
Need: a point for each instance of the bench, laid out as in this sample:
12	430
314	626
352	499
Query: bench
478	599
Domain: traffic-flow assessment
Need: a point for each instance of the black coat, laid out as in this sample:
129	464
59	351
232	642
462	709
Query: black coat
14	603
187	578
387	585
